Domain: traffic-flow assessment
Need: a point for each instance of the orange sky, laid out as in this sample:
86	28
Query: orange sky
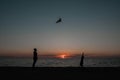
92	27
23	53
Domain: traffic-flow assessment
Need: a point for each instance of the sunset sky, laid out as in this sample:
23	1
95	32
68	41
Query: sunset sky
92	26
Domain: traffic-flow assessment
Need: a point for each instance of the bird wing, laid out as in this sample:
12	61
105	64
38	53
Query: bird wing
58	20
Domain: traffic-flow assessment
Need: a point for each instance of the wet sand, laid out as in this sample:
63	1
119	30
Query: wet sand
59	72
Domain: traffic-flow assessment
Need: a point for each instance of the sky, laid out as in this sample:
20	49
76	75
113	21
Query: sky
90	26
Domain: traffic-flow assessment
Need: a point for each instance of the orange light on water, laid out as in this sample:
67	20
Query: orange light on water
63	55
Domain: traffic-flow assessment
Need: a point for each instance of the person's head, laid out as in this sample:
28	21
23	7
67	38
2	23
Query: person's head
35	49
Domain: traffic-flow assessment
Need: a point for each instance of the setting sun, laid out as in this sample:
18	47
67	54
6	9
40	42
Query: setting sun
62	56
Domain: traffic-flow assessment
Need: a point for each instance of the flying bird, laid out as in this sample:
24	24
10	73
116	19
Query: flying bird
59	20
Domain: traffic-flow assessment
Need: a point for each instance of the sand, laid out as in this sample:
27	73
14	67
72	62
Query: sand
55	73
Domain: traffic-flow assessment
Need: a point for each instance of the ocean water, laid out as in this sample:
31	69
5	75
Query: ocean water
58	62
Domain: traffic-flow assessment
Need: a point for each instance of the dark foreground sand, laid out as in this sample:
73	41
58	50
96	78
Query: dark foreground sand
59	73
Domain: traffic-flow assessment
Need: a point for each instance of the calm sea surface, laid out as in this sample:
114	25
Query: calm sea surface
57	62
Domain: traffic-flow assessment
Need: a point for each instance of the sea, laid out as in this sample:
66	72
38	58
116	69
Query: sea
60	62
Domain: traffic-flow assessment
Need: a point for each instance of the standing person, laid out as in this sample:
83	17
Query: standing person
34	57
82	58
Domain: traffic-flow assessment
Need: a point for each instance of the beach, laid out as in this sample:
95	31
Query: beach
59	72
58	68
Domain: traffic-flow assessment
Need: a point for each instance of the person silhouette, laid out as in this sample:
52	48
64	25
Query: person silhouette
34	57
82	58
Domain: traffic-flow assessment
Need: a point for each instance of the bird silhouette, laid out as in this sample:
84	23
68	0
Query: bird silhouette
59	20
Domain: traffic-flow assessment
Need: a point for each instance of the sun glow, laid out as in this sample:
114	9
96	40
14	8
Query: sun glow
63	56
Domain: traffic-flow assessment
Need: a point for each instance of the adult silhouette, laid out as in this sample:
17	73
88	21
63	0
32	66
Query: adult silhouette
34	57
82	58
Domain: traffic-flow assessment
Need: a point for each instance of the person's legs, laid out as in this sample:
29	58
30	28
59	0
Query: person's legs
34	63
